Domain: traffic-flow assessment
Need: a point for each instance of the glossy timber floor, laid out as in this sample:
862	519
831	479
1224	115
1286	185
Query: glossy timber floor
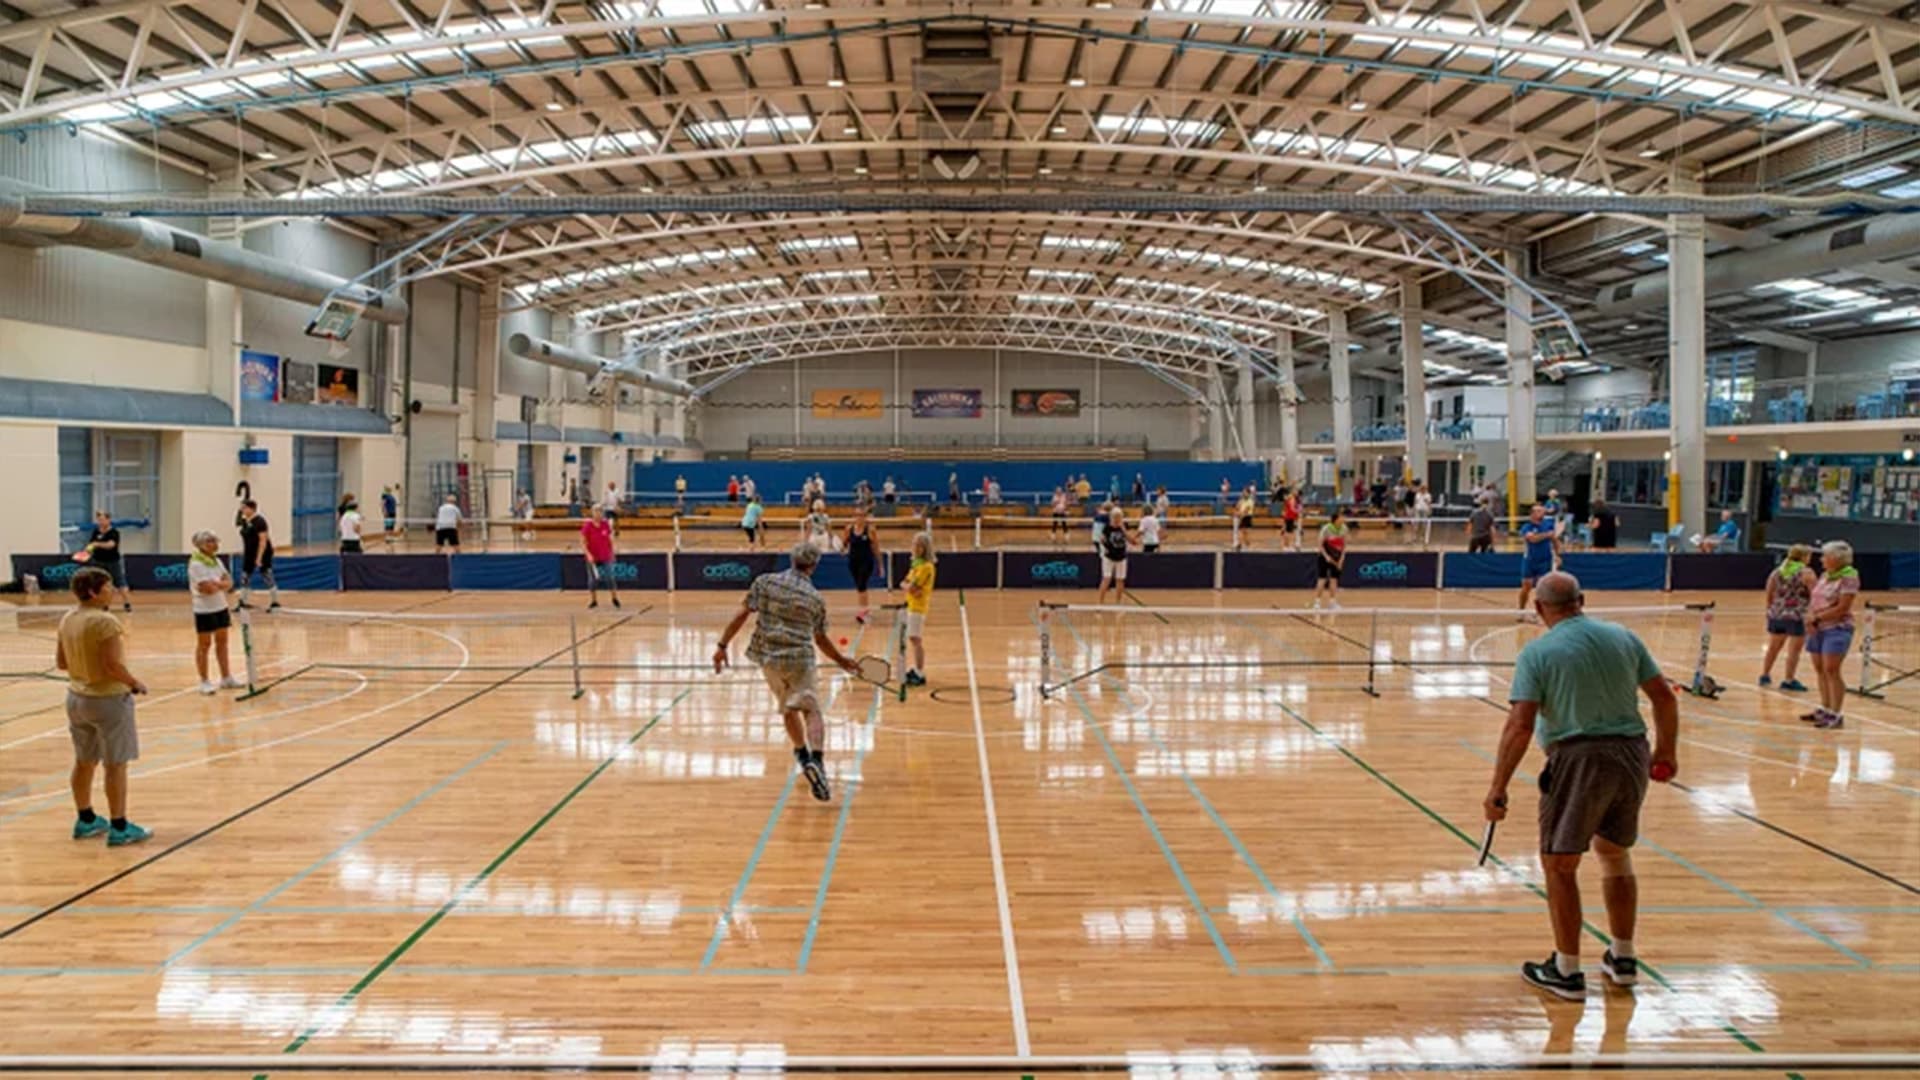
460	857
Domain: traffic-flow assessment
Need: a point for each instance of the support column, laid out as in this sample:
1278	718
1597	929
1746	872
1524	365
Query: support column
225	329
1523	455
1097	399
1813	370
1413	362
899	401
1687	365
796	401
995	403
1217	416
486	401
1340	368
1292	467
1249	436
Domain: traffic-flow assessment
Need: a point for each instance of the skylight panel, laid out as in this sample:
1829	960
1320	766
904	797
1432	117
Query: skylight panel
1048	274
1870	177
1154	126
1096	244
858	272
803	244
750	127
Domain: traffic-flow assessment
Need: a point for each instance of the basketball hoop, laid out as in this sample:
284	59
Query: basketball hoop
334	321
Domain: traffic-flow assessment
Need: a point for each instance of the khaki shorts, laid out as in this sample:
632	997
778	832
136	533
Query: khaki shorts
793	687
916	621
1592	787
102	728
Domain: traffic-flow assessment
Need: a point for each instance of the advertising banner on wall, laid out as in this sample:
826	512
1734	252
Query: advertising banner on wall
947	404
337	386
1064	404
296	382
848	404
259	376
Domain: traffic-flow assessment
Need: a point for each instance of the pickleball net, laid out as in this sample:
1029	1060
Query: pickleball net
1889	651
1374	650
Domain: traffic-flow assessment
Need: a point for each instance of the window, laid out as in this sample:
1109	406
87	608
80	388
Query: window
76	486
1726	483
316	488
1730	377
1636	483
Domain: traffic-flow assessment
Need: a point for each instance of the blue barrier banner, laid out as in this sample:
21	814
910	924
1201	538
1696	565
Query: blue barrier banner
1170	570
1267	570
54	572
391	572
692	570
1043	570
298	573
531	571
156	572
640	572
953	570
833	573
1903	570
1391	570
1486	570
1735	570
1634	571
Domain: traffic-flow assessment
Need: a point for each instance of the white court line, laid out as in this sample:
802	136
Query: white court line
1016	1003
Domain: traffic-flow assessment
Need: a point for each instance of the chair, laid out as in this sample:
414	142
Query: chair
1870	406
1668	541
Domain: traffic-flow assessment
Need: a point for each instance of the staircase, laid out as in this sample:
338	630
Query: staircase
1557	468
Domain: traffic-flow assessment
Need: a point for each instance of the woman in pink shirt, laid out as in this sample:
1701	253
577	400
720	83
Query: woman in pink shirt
596	541
1830	629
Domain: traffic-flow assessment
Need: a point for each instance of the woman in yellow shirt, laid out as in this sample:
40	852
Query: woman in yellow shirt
919	587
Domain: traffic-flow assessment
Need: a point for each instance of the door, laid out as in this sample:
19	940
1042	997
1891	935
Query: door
316	488
523	471
129	486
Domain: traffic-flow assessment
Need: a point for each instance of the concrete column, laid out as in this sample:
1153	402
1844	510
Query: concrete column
1097	399
486	404
995	402
1813	369
1522	454
1687	368
225	329
1217	416
796	401
1292	466
1340	367
1413	352
1249	436
899	398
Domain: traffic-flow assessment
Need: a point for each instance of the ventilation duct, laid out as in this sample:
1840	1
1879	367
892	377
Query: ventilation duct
954	76
593	366
148	241
1860	244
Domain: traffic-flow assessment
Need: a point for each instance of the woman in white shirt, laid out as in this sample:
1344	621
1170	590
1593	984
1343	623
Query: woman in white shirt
351	523
209	583
1149	532
446	524
818	527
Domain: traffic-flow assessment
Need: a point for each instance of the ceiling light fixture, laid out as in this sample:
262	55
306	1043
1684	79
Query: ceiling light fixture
1651	151
1059	129
849	130
1076	81
860	170
554	106
836	83
1046	170
1356	105
267	155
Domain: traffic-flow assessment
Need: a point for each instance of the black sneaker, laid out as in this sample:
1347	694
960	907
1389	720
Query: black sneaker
914	678
1621	970
817	780
275	606
616	601
593	605
243	606
1546	976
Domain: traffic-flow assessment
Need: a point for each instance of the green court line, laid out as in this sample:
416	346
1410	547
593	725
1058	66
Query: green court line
355	841
367	980
839	833
1651	971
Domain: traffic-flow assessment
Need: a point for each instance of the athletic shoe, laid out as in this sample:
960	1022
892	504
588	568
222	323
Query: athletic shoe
1333	605
85	830
132	834
616	601
1621	970
208	686
1766	680
1812	717
1830	722
817	781
275	606
1546	976
1795	685
243	606
593	605
128	608
231	683
914	678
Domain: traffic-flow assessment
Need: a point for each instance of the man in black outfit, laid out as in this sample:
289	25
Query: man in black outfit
1605	526
256	554
103	551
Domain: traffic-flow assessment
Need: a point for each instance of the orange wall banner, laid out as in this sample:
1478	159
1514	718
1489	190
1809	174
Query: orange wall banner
848	405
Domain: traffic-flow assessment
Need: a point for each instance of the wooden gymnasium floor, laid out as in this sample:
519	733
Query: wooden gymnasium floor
1171	867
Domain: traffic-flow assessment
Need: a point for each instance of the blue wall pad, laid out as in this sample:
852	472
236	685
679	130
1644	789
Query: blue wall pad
55	572
526	571
732	573
1600	573
1041	570
1739	570
952	570
389	572
1903	570
1487	570
1391	570
295	573
1170	570
832	573
1876	570
629	572
776	478
1266	570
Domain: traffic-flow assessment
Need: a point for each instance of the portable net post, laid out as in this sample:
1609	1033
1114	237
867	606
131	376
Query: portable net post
1888	649
1236	532
676	532
254	689
573	654
899	645
1703	684
1046	651
1373	653
976	533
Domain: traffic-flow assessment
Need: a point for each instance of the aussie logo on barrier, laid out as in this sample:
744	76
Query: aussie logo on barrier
58	573
1057	570
625	572
1384	571
728	571
170	573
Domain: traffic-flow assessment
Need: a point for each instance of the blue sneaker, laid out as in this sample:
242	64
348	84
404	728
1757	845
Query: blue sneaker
132	834
1766	680
1795	685
87	830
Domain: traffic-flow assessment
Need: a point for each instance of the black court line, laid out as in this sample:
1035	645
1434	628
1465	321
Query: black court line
1762	822
299	784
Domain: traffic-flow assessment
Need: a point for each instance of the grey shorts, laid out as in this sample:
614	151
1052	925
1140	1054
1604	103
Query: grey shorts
1592	787
102	728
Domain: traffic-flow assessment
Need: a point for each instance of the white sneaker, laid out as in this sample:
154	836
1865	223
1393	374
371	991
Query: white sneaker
231	683
1334	604
208	687
1316	604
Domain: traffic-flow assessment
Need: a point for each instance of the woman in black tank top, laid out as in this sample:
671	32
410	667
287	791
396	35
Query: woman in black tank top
862	557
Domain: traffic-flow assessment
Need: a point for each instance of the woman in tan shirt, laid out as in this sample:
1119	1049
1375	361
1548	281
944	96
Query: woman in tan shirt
92	651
